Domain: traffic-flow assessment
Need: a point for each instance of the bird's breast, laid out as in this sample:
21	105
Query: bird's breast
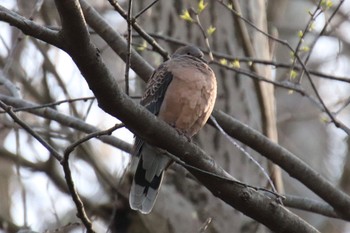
189	100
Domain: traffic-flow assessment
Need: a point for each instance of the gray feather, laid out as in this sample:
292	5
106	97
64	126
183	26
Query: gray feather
148	178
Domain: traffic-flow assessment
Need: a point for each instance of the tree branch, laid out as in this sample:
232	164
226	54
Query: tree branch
8	110
30	28
115	40
72	122
139	30
71	186
294	166
310	205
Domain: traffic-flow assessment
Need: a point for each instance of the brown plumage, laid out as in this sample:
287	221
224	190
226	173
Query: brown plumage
181	92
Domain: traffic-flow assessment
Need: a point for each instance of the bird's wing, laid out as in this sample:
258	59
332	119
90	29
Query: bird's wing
153	162
156	89
154	95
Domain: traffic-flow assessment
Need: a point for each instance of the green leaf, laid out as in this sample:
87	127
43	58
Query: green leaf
300	34
201	6
223	61
186	16
211	30
324	119
293	74
142	46
327	4
305	48
236	64
312	27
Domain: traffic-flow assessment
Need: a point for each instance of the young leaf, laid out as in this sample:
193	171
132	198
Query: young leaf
186	16
293	74
201	6
211	30
236	64
223	61
142	47
300	34
305	48
326	4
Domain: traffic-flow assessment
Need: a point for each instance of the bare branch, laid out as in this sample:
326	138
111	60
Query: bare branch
249	60
139	30
70	148
65	120
75	196
129	40
68	176
145	9
244	33
289	162
8	109
115	40
310	205
30	28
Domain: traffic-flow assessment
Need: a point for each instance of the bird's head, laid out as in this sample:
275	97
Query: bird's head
189	50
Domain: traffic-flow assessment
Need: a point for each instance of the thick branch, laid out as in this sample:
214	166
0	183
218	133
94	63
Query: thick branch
288	161
310	205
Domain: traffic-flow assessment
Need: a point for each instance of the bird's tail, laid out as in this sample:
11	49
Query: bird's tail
147	180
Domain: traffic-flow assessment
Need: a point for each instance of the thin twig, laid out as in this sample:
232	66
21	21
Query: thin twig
48	64
68	176
323	30
307	28
30	28
206	39
109	131
139	30
85	115
302	64
347	102
129	41
8	110
234	143
65	120
237	14
249	60
285	84
145	9
295	167
75	196
50	104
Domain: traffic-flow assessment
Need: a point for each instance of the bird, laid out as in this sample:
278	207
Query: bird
181	92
